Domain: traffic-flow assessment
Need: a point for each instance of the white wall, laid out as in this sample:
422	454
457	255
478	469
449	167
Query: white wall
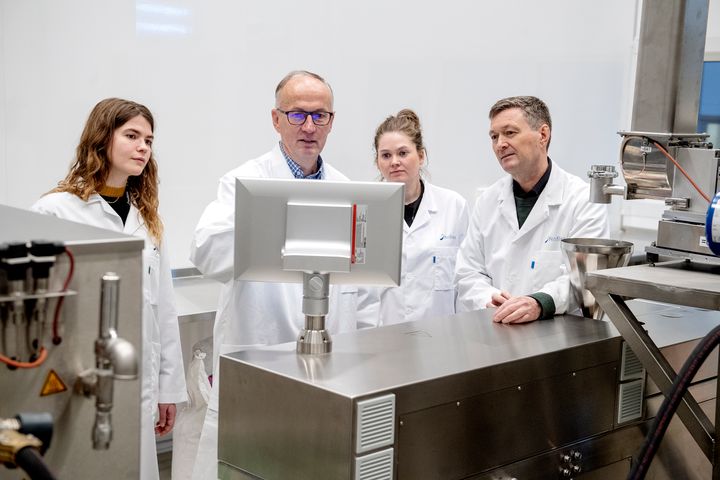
712	39
209	70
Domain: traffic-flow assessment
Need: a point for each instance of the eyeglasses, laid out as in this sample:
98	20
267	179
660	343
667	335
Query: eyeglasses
298	117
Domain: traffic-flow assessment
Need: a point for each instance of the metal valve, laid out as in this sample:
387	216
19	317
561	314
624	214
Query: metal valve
115	359
601	186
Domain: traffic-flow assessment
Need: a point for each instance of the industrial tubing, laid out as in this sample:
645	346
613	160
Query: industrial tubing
29	460
671	403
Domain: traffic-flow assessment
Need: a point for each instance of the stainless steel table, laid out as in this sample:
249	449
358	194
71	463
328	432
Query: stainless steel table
680	283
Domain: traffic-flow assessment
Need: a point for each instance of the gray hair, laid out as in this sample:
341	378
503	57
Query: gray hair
299	73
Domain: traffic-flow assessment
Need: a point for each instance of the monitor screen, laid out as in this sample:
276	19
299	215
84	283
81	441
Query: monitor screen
351	230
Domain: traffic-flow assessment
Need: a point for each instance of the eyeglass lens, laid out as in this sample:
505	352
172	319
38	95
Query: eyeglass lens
318	118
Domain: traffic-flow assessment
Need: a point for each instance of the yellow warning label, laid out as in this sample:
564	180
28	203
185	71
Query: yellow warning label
53	384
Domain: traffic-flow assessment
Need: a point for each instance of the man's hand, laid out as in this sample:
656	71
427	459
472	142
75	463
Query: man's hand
498	299
166	419
517	310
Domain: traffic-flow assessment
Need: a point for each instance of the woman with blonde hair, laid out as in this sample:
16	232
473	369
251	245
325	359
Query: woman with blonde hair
434	225
113	184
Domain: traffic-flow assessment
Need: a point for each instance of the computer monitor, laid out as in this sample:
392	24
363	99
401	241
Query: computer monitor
318	233
351	230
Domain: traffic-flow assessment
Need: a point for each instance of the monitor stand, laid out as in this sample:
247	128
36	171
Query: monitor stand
314	339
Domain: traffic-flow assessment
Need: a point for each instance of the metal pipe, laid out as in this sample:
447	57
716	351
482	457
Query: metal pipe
115	358
314	339
669	66
109	289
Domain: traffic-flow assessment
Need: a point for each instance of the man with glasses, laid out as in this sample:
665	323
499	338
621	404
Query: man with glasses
256	313
511	258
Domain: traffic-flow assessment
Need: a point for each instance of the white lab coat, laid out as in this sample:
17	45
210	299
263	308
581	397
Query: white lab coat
251	313
497	255
430	246
163	379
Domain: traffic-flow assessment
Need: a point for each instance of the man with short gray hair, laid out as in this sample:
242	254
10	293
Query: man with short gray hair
255	313
511	258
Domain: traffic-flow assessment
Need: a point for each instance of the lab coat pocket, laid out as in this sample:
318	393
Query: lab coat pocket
443	266
151	275
342	317
545	267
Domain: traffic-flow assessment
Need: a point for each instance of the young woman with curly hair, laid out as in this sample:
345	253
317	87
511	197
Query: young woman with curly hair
113	184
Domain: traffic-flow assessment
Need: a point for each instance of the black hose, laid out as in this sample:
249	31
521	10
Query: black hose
30	460
671	403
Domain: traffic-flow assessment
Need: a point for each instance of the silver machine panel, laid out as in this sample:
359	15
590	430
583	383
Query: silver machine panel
473	399
662	156
96	429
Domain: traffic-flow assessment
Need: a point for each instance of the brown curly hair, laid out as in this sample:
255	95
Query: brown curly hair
91	166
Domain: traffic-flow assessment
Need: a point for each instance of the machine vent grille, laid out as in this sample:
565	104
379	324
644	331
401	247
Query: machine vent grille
375	466
630	405
375	423
631	367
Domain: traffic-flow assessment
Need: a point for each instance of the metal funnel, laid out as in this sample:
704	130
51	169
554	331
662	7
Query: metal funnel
585	255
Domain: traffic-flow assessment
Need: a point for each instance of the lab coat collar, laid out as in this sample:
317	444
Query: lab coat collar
278	165
133	223
506	203
426	210
551	195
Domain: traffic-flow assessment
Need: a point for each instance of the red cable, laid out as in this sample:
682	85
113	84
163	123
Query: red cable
664	152
56	318
36	363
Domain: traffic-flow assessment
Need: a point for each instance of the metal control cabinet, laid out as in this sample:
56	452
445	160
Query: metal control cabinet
96	252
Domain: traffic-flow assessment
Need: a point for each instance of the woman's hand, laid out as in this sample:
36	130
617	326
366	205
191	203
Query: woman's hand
166	419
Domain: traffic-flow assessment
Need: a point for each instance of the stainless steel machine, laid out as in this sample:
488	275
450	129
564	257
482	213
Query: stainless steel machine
70	346
662	157
455	398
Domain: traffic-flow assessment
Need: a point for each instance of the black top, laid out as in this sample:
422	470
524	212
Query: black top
525	201
120	204
411	209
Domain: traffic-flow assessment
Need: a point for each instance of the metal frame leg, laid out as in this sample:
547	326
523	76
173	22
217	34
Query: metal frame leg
690	413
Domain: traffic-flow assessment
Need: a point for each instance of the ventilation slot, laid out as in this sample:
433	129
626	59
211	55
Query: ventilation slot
375	423
631	401
631	367
375	466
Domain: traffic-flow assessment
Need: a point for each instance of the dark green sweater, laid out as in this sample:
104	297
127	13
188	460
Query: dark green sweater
524	203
